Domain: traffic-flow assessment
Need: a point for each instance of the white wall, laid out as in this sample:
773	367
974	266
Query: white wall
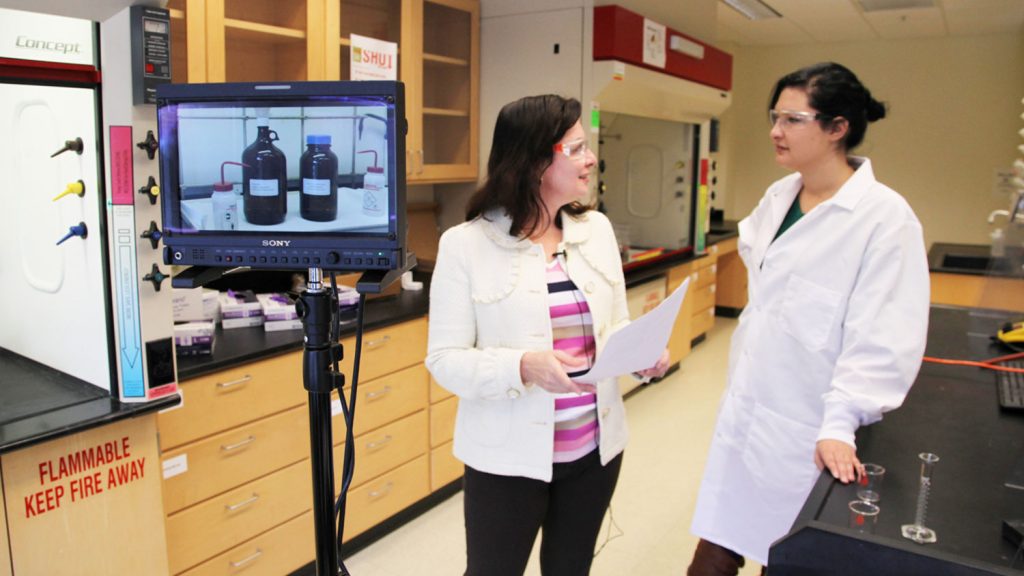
954	112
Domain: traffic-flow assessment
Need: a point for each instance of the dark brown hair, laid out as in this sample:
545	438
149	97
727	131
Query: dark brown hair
523	147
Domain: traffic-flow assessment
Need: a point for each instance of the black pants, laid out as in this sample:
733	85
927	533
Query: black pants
503	514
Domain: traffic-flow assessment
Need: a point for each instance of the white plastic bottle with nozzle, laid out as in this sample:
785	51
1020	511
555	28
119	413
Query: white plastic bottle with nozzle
375	188
224	202
998	243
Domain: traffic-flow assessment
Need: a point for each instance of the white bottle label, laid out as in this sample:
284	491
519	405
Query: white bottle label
316	187
263	187
374	202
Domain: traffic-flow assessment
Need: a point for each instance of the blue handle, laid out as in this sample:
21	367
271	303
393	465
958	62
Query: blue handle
77	230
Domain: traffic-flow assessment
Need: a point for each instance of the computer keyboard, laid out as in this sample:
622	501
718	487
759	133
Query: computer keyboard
1011	385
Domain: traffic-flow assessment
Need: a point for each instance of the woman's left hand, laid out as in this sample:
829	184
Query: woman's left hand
659	369
840	458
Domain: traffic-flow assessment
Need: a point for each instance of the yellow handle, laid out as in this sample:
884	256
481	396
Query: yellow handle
155	191
76	188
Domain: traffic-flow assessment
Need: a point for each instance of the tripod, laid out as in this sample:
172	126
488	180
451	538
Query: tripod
321	351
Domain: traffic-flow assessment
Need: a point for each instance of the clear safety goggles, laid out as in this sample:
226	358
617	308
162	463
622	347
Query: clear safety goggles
574	149
793	119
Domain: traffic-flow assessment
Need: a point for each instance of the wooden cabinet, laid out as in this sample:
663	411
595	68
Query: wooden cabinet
267	40
445	468
5	548
236	455
85	503
697	315
977	291
441	72
731	279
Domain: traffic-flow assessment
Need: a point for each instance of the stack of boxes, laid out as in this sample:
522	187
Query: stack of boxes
196	313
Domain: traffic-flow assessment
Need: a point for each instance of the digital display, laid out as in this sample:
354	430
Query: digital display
268	174
266	168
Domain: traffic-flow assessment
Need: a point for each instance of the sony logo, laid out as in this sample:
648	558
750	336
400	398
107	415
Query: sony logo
279	243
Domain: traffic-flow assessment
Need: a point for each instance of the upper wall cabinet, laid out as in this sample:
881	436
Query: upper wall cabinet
443	69
269	40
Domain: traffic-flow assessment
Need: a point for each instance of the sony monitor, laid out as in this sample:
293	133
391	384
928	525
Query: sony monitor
283	175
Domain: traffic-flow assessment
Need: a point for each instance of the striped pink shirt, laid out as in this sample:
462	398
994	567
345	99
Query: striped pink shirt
572	331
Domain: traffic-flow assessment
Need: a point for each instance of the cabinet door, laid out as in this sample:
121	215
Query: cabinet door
188	40
442	72
265	40
378	19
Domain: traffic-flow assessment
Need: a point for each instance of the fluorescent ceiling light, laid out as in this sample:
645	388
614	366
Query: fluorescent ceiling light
882	5
753	9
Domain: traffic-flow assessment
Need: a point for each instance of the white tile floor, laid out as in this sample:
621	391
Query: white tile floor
670	429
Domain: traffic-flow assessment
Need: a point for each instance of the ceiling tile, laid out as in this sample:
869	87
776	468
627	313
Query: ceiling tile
777	31
896	24
969	17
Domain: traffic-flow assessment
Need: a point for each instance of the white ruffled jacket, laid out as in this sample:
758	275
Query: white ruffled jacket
488	306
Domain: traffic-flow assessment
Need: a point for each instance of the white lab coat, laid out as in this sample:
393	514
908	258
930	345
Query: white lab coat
832	337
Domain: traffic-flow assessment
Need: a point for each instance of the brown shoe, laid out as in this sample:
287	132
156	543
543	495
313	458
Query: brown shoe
710	559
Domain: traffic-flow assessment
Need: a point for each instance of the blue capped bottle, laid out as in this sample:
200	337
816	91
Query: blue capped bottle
318	167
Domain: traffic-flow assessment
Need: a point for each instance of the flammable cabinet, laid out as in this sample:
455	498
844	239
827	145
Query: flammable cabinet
86	351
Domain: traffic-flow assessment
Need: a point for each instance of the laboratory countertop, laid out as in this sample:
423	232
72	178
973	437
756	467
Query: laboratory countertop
38	403
41	404
953	412
975	259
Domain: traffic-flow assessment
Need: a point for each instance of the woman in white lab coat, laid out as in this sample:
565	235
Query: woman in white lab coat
834	329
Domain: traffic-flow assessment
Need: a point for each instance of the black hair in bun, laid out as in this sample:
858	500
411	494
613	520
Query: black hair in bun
834	91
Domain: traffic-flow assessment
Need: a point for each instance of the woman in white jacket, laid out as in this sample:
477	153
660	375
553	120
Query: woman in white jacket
834	330
523	295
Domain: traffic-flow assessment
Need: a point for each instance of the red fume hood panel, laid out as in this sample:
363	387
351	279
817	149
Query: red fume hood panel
619	35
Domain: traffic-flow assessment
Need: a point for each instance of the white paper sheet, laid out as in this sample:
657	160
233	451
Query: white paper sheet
639	345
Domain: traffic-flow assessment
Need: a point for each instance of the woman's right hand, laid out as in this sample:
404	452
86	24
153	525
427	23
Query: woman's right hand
547	369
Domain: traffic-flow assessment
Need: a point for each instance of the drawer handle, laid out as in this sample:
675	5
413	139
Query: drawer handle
378	342
242	504
380	443
243	380
420	154
247	559
237	445
384	491
378	394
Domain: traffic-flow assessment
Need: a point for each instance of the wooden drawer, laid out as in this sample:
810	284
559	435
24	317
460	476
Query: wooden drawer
677	274
704	297
438	392
442	421
226	399
232	458
211	527
385	448
387	350
387	495
279	551
444	466
704	277
728	246
383	400
703	320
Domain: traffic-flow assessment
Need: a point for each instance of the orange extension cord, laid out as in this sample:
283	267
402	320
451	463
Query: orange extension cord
989	364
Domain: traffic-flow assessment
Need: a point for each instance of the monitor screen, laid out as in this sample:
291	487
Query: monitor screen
300	173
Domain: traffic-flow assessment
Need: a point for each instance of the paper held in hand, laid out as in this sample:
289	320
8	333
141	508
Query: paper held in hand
639	345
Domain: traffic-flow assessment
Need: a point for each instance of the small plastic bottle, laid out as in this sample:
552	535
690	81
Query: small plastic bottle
998	243
318	166
375	188
265	179
224	202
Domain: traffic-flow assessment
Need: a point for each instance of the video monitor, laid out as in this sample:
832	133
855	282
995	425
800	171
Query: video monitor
283	176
